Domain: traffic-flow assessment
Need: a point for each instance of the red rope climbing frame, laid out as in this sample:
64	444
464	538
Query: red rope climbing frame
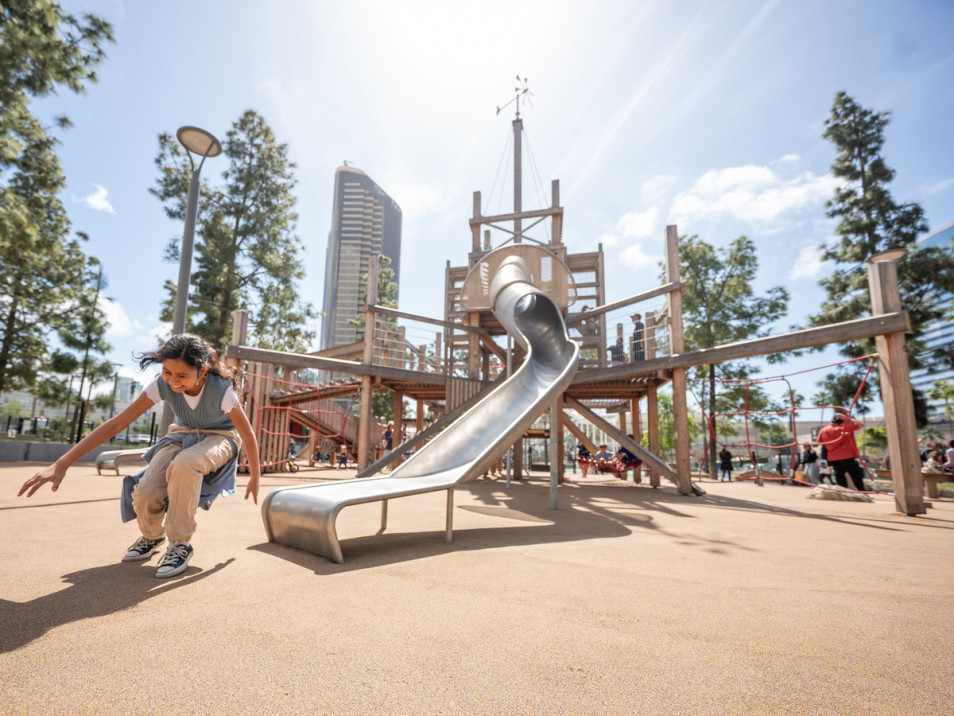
710	421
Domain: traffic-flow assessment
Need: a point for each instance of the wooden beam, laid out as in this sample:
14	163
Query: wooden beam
581	436
535	213
807	338
300	360
645	455
663	290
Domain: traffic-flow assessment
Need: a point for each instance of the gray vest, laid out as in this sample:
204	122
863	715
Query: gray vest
208	413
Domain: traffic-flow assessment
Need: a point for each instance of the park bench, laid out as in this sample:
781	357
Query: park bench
113	459
931	480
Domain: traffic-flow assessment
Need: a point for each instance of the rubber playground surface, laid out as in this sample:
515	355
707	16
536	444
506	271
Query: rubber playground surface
626	600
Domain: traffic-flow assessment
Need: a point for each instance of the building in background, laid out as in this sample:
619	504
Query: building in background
938	337
365	222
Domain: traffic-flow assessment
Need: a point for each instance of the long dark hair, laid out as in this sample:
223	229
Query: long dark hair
194	351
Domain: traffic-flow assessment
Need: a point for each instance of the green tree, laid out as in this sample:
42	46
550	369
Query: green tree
719	307
869	222
943	390
42	271
667	426
248	255
87	336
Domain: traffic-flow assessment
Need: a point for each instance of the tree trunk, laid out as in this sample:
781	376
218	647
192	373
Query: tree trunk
713	465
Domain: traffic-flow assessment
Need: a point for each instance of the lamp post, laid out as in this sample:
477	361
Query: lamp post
201	143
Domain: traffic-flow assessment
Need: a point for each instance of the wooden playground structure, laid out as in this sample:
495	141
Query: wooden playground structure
447	364
461	360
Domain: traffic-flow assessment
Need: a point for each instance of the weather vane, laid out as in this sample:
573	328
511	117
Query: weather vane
521	90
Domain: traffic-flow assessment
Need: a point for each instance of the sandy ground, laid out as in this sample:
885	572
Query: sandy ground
626	600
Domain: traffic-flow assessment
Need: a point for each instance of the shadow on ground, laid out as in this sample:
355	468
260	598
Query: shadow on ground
95	592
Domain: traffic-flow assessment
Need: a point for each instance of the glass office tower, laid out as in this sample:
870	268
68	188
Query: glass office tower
939	336
365	222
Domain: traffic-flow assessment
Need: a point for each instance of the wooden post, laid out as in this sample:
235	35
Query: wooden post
397	429
637	435
475	229
896	392
558	450
652	425
364	424
680	408
518	460
364	402
555	452
473	346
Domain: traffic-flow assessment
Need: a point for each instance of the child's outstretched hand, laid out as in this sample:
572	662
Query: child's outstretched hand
252	488
51	474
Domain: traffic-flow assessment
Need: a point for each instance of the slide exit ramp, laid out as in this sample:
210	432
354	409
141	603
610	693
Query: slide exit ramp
304	516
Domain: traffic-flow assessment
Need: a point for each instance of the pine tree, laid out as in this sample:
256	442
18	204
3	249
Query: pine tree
247	255
43	271
869	222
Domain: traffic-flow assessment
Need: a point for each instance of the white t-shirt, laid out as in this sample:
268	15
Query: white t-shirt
229	400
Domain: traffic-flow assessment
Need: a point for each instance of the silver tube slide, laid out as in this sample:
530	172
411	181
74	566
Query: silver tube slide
304	516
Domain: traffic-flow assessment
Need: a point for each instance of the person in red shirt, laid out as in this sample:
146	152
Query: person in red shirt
839	441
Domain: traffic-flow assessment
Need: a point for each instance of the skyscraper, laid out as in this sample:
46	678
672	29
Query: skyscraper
938	338
365	222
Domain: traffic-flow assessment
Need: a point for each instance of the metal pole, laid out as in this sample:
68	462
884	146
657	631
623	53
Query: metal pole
185	254
509	452
185	272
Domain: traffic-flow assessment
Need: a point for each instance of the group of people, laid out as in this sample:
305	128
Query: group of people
617	351
637	344
838	455
603	461
935	457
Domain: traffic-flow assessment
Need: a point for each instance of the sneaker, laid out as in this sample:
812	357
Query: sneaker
175	560
142	549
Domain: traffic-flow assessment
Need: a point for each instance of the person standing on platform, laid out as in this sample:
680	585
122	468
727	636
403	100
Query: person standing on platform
637	344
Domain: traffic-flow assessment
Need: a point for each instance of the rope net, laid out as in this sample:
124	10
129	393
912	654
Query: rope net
749	415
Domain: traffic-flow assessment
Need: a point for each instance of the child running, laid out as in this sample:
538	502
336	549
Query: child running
190	466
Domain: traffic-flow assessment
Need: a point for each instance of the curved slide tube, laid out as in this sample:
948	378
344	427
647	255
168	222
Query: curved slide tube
304	516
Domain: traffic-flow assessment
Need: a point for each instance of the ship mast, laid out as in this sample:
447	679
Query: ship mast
521	90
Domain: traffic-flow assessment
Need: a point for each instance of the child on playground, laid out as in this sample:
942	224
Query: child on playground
190	466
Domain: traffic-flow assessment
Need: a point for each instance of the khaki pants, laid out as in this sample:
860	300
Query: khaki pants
173	479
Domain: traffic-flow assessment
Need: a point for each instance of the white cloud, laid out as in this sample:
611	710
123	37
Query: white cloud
631	231
418	199
120	324
809	263
638	224
658	188
124	330
752	194
635	257
98	200
937	187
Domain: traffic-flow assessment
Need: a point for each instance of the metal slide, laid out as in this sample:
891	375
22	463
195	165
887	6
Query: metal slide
304	516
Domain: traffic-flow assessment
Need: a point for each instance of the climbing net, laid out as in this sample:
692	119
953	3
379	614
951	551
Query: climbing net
295	419
749	416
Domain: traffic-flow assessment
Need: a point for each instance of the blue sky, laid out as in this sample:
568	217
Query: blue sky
708	115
